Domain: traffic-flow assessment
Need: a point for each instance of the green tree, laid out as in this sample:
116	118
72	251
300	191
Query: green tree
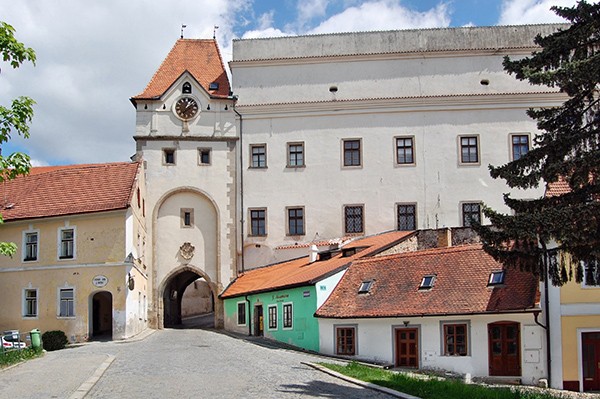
567	150
15	118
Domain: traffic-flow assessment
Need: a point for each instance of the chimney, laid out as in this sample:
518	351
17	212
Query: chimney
314	252
444	237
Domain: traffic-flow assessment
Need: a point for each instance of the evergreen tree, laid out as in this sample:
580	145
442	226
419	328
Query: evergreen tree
566	152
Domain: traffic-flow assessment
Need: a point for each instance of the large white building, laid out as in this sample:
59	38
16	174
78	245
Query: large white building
358	133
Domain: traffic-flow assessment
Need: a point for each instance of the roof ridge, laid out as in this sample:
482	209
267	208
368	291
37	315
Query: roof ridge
424	252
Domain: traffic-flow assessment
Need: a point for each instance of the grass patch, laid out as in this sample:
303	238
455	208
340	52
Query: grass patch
432	388
12	356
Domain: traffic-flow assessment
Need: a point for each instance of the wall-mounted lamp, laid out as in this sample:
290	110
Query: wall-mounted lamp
226	107
208	107
406	322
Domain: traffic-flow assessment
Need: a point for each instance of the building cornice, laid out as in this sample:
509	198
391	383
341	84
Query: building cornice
183	138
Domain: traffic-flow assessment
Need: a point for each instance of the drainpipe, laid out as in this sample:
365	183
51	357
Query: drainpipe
547	305
241	186
249	316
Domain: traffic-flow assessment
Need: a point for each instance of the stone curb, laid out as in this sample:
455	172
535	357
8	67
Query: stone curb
369	385
85	388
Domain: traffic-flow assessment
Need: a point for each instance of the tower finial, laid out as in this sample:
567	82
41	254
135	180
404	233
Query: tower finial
182	27
215	32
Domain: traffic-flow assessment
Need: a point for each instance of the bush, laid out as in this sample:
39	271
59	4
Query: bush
54	340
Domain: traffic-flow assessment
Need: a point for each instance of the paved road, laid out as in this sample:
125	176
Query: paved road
178	364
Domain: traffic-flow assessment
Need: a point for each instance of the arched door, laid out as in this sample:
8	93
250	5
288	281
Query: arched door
173	296
102	320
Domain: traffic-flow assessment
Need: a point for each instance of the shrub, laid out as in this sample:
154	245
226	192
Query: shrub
54	340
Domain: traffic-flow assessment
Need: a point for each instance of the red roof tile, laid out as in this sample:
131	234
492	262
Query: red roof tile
67	190
301	272
557	188
460	286
201	58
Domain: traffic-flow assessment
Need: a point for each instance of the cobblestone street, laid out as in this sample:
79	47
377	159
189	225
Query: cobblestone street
177	364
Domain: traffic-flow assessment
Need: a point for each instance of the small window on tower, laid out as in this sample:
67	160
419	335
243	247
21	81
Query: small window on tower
187	88
187	217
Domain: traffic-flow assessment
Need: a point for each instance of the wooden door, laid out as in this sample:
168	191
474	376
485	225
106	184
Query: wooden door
258	321
590	346
504	341
407	347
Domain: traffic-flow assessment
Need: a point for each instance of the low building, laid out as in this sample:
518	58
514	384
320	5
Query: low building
79	266
279	301
453	309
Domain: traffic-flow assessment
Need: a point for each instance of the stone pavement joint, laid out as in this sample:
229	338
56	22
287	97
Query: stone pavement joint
89	384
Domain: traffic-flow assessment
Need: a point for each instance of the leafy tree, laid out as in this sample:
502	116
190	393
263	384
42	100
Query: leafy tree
566	152
15	118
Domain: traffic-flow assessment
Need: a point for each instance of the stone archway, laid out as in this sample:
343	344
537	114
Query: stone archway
101	317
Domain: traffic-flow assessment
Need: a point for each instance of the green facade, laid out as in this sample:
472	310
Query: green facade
304	330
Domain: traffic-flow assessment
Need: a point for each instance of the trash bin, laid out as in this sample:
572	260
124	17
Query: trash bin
36	341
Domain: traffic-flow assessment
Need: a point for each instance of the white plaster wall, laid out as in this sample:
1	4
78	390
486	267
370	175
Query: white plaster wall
375	342
325	287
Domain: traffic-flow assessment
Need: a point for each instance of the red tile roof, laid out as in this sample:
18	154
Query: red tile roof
300	271
67	190
559	187
460	286
201	58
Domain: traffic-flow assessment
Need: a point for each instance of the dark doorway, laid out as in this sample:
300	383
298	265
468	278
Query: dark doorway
173	298
102	315
590	346
407	347
504	341
259	327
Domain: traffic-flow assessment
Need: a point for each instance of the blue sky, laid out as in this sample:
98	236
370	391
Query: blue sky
94	55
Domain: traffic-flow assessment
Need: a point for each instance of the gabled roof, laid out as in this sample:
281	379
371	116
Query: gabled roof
298	272
460	286
201	58
68	190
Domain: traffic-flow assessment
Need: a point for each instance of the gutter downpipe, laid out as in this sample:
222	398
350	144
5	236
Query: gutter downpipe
547	305
241	188
249	316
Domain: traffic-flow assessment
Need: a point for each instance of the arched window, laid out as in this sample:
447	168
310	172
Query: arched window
187	88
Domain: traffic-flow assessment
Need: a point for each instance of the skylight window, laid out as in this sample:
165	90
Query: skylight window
427	282
496	278
213	86
365	287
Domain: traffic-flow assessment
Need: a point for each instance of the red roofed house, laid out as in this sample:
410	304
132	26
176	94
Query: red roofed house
79	267
279	301
450	308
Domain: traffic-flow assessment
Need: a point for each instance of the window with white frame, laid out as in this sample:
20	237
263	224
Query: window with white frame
30	246
30	302
272	310
66	302
288	315
66	243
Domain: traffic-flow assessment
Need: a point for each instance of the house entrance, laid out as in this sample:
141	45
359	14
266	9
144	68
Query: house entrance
590	346
504	344
407	347
102	315
259	327
193	310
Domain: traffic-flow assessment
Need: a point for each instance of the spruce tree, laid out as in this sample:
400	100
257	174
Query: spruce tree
566	152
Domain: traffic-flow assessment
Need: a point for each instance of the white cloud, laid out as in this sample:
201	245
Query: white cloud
309	9
515	12
384	15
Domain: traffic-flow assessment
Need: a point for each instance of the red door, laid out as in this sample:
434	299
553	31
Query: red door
504	349
590	345
407	347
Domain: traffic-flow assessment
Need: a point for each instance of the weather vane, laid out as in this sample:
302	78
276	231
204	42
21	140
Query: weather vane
182	27
215	32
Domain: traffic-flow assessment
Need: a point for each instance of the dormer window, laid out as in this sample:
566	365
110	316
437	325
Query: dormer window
187	88
365	287
213	86
496	278
427	282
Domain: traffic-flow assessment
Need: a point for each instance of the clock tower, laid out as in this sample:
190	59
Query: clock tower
186	137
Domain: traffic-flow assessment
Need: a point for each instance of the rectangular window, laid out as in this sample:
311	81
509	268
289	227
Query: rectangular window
30	305
258	222
31	246
288	315
345	341
187	217
241	313
471	212
258	153
352	153
67	244
203	156
407	219
591	273
469	149
455	340
295	155
353	219
404	151
168	156
67	302
295	221
520	145
273	317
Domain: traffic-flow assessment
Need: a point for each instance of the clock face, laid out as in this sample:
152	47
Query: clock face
186	107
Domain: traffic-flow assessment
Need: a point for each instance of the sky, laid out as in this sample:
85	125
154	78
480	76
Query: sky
92	56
